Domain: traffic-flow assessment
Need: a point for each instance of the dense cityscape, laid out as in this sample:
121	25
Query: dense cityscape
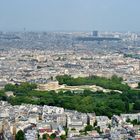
69	85
37	57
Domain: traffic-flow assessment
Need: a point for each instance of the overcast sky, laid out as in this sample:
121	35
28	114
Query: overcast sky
70	15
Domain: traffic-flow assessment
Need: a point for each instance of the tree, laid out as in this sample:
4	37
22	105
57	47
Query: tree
22	88
109	126
63	137
53	136
9	87
3	96
138	85
44	136
127	106
38	135
98	129
20	135
128	120
134	122
89	128
95	123
137	105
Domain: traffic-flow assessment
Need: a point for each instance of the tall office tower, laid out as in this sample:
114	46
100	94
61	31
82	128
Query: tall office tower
95	33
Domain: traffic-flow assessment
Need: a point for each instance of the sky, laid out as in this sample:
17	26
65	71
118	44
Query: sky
70	15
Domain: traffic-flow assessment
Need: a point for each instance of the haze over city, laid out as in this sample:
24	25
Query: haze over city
69	70
69	15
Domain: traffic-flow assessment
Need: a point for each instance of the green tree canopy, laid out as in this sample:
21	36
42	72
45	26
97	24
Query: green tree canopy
89	128
53	136
137	105
20	135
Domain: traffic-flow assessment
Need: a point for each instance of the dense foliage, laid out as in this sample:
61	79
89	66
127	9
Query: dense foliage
112	83
20	135
3	96
22	88
138	85
83	101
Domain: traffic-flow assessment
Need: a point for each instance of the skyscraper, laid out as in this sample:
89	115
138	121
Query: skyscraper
95	33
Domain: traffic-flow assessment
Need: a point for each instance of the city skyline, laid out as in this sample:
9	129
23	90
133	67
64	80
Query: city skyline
79	15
